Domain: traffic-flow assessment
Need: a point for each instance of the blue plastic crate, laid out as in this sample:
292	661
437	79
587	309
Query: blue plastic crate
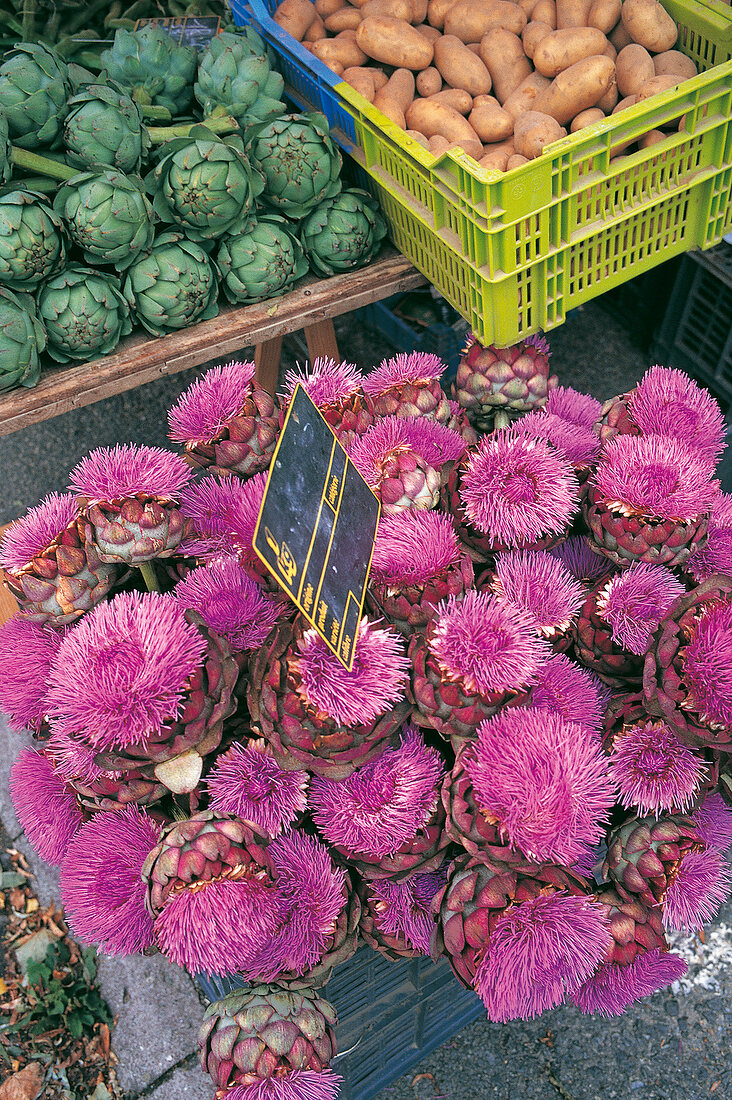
390	1015
438	339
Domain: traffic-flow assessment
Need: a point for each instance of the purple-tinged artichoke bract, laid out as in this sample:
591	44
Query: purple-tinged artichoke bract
409	385
514	379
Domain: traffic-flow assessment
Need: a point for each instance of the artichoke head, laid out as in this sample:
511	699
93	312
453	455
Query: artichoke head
262	261
107	214
85	313
104	128
22	339
33	92
173	285
234	73
31	240
343	233
6	166
299	161
154	67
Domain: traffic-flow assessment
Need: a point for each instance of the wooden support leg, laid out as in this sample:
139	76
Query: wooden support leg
267	358
8	605
321	341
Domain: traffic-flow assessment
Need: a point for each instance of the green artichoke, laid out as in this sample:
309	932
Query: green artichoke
22	339
234	73
33	92
107	214
31	241
172	286
300	163
153	66
6	166
343	233
262	261
204	184
104	127
85	313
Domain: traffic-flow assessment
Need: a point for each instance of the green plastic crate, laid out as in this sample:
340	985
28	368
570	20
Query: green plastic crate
513	253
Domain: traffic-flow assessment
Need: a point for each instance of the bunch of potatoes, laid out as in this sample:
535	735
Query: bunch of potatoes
499	80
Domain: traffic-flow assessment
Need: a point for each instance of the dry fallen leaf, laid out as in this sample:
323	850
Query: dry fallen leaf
31	905
24	1085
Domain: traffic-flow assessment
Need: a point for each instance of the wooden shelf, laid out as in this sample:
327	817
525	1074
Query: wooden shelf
141	358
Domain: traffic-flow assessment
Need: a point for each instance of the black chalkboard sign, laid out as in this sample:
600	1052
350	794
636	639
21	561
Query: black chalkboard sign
187	30
316	527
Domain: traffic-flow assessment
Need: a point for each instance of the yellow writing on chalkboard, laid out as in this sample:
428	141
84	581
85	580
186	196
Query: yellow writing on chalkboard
333	491
322	612
307	599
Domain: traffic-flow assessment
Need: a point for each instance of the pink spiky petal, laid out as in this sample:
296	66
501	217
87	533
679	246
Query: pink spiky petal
572	692
715	556
700	884
714	821
488	645
579	408
653	770
635	602
435	443
101	881
27	652
376	681
668	402
222	515
578	444
247	781
539	584
582	562
383	804
656	476
516	490
613	988
325	382
406	907
413	547
303	1084
202	411
38	529
544	781
122	671
73	759
707	662
230	602
116	473
44	805
413	367
538	951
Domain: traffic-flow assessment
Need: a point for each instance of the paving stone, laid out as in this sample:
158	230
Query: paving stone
46	878
10	745
34	949
158	1012
188	1082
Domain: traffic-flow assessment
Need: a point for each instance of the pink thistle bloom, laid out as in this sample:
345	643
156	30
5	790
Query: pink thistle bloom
571	692
433	442
578	408
116	473
634	603
73	760
413	547
581	561
221	926
40	528
707	663
516	489
383	804
230	603
613	988
701	883
101	881
406	909
653	769
538	951
488	645
714	822
578	444
325	383
544	781
203	410
134	657
413	367
302	1084
715	556
223	515
44	805
539	584
27	652
376	681
667	402
655	476
248	782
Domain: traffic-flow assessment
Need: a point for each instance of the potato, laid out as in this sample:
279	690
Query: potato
525	96
324	8
383	102
532	34
471	19
527	7
316	30
658	84
627	101
437	118
610	51
560	49
495	157
572	13
335	67
533	131
503	56
400	86
429	81
460	68
295	16
675	63
362	80
604	14
436	12
576	88
343	49
457	98
345	19
610	98
395	42
545	12
619	37
490	122
586	118
419	138
651	138
380	77
419	11
438	145
474	149
649	24
397	9
633	68
428	32
516	161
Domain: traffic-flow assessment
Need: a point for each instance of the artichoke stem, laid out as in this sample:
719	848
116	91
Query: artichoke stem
31	183
120	24
501	419
29	20
32	162
148	575
224	124
155	112
85	16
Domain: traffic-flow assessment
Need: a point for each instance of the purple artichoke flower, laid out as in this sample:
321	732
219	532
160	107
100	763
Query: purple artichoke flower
571	692
714	822
539	584
247	781
655	476
667	402
45	807
578	408
613	988
27	652
231	603
653	770
635	603
403	908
